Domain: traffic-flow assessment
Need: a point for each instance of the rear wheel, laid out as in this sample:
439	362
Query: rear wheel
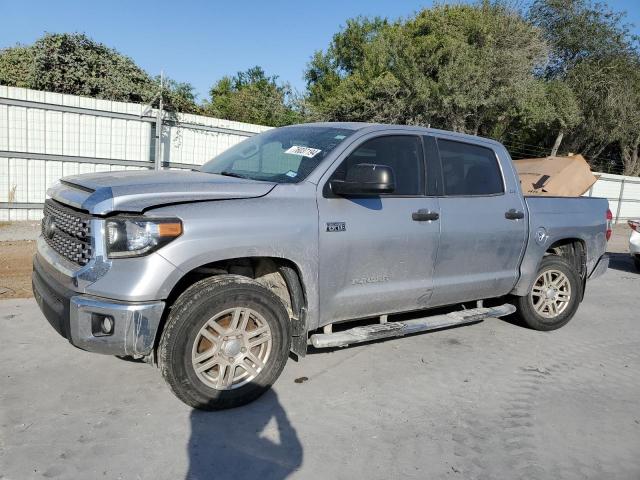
554	297
226	341
636	261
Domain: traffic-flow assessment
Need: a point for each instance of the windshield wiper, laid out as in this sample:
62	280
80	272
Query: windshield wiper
232	174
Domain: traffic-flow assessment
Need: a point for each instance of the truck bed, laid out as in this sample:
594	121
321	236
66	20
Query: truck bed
552	219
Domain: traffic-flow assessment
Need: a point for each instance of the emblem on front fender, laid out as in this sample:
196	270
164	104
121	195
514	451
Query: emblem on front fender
336	226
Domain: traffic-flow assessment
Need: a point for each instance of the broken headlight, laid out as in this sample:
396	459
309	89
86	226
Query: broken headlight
134	237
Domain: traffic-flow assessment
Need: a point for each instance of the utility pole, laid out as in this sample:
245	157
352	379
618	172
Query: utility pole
158	163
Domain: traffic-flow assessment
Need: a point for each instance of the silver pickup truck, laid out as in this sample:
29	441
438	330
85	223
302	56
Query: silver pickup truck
324	234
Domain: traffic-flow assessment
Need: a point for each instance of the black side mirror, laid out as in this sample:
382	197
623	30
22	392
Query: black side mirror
365	179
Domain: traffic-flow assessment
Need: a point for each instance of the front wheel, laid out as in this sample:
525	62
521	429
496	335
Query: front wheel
554	297
225	343
636	261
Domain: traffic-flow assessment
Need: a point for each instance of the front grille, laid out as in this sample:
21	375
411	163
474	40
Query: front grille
67	231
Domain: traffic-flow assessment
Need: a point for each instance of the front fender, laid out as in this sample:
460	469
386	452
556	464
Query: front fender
284	224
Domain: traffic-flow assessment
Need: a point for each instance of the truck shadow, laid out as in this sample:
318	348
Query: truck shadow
254	441
622	262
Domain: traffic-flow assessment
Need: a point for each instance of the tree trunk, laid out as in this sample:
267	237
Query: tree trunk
631	158
556	144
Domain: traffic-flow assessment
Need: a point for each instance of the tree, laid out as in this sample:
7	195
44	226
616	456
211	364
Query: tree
578	30
609	92
176	96
595	55
468	68
253	97
77	65
345	54
15	66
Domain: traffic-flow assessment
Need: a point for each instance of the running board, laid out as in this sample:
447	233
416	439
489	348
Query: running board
399	329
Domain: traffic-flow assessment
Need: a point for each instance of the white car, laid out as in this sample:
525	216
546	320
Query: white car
634	242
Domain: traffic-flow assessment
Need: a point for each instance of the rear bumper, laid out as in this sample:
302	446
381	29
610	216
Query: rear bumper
600	268
78	318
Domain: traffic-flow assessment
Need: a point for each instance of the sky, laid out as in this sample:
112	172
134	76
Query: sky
200	41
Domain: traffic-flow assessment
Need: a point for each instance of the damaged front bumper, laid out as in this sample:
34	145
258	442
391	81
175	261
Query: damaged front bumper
82	319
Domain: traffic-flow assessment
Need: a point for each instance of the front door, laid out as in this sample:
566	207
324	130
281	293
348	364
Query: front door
377	253
480	248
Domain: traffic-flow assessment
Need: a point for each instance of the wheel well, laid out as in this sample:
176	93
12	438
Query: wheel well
276	274
573	250
279	275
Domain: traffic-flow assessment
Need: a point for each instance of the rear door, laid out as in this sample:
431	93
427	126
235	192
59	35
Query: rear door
376	256
483	227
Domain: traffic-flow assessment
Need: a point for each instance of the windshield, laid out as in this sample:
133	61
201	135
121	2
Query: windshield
283	155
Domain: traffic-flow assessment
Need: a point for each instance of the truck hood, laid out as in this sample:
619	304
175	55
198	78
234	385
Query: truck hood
127	191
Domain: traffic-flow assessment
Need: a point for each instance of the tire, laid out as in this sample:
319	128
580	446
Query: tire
200	331
531	309
636	261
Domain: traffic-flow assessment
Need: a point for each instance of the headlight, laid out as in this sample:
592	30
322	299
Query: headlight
134	237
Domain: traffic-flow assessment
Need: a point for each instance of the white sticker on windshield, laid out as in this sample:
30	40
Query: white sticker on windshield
304	151
291	174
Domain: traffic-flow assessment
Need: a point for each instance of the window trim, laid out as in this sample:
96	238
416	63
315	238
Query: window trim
443	193
326	188
434	166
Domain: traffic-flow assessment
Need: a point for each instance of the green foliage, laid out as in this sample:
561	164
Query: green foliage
564	104
594	54
253	97
579	30
568	69
609	93
15	66
176	96
75	64
463	67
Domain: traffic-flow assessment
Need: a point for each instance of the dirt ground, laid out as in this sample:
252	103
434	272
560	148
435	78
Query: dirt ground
15	268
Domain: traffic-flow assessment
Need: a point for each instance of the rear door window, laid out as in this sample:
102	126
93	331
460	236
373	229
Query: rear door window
469	170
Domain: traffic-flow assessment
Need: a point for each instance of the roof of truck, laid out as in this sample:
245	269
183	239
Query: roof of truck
385	126
346	125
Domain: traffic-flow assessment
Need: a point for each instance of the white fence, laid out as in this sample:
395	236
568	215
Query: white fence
45	136
622	192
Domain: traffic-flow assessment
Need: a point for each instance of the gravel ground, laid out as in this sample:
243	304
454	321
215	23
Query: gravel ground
13	231
492	400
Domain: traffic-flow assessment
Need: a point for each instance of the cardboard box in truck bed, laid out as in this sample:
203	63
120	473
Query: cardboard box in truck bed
555	176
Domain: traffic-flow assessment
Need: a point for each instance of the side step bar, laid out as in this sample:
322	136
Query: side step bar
398	329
